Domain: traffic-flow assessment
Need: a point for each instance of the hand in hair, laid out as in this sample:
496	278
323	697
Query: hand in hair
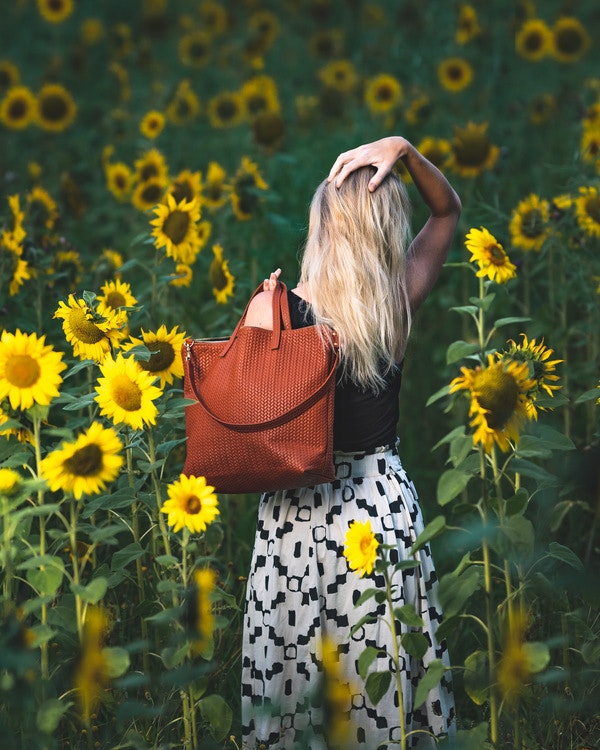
270	283
381	154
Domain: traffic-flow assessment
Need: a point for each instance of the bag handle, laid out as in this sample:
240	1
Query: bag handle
273	422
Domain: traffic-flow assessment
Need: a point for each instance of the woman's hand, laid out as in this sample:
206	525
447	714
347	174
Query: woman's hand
270	283
381	154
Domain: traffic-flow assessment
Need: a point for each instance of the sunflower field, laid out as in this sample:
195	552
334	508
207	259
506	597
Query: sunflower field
157	162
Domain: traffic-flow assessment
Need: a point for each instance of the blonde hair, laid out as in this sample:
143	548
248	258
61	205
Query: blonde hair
354	272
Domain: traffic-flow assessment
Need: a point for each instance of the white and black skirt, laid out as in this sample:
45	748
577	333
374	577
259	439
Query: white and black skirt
301	594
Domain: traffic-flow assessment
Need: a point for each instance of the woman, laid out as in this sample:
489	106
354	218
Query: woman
359	276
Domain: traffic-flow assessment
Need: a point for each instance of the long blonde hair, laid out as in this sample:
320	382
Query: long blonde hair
354	272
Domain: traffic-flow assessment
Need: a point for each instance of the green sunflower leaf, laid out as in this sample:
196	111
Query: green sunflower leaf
414	644
408	615
377	685
459	350
50	713
365	660
215	711
476	677
450	484
433	528
93	592
430	679
564	554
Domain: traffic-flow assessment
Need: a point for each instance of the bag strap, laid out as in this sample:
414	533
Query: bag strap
274	421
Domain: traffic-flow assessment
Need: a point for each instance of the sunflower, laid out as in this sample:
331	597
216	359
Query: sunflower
489	255
587	209
17	109
108	263
203	618
92	674
268	130
10	482
326	43
91	31
220	277
152	124
90	333
259	95
226	110
542	108
455	74
216	190
165	361
186	186
418	110
519	660
264	26
67	265
570	40
541	368
184	106
336	693
213	16
55	11
121	39
22	433
529	223
472	152
14	224
182	275
192	503
55	109
9	75
29	370
195	48
119	180
590	144
467	26
499	400
435	150
148	194
339	75
151	165
122	78
383	93
246	183
41	208
533	40
115	294
19	272
360	547
175	228
86	465
126	393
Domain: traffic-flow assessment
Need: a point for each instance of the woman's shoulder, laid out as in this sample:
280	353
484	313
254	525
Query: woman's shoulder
260	311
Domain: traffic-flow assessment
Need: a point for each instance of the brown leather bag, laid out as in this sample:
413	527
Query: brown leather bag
264	414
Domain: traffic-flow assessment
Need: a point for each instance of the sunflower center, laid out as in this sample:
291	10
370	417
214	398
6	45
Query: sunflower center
198	51
217	275
176	226
56	5
592	208
126	393
85	462
148	171
53	108
569	41
214	190
182	107
384	93
162	357
472	150
115	299
455	72
22	371
182	191
193	505
18	109
498	393
83	329
256	103
532	223
365	544
120	180
496	254
534	41
227	110
151	193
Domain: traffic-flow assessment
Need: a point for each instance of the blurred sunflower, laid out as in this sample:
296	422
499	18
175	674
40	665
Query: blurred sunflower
121	39
467	25
570	40
268	130
116	294
42	210
542	108
122	78
17	109
541	368
151	165
220	277
85	466
436	150
152	124
533	40
360	547
10	482
165	362
55	11
213	16
14	223
29	370
148	194
590	144
244	189
119	180
108	263
202	616
67	267
92	675
55	109
383	93
472	151
192	503
336	694
195	48
418	110
498	395
184	106
259	95
489	255
126	393
89	333
175	228
587	210
326	43
13	268
10	75
226	109
264	27
91	31
339	75
455	74
182	276
519	661
216	190
22	433
186	186
204	229
529	223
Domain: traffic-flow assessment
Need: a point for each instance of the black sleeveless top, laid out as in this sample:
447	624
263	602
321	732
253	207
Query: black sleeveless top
362	421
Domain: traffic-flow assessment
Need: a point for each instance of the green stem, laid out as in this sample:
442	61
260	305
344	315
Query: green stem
37	422
392	623
481	320
157	491
505	565
73	542
7	536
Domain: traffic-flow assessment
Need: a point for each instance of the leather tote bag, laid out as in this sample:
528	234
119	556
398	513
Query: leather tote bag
263	413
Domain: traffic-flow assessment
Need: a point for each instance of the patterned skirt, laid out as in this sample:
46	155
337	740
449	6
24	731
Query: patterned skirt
300	605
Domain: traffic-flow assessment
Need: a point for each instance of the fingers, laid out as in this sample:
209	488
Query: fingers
270	283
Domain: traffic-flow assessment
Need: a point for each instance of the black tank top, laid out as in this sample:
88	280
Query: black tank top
362	421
